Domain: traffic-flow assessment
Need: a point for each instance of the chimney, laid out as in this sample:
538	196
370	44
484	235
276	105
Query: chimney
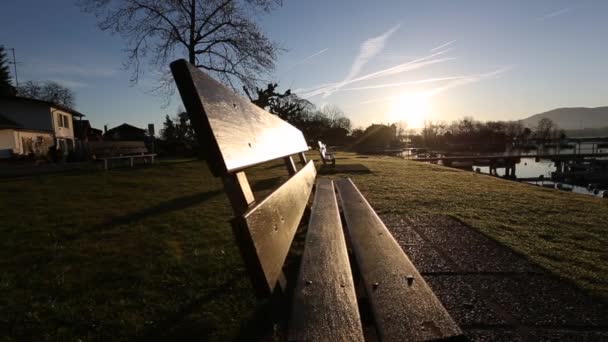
105	129
151	129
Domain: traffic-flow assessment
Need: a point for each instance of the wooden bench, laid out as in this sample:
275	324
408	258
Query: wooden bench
326	154
236	135
131	157
119	150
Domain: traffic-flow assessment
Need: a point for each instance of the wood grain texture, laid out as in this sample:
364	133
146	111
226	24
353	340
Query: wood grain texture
403	305
233	132
325	304
265	232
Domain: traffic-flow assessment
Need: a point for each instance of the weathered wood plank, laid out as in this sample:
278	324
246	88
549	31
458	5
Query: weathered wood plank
325	304
233	132
403	305
265	232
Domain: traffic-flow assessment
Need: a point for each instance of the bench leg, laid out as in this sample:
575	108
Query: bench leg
131	161
105	164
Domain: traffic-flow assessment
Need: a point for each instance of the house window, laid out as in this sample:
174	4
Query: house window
63	121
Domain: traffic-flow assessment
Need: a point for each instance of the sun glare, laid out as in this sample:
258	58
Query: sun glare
413	108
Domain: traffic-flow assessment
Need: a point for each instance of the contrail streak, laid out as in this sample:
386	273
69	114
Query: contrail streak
443	45
398	84
367	51
554	14
407	66
304	60
455	82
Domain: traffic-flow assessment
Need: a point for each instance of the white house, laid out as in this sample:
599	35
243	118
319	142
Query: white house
32	126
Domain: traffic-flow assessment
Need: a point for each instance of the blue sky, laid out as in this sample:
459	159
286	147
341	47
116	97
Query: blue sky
383	60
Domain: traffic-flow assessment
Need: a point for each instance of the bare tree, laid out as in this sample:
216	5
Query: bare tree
47	91
288	106
336	117
216	35
545	128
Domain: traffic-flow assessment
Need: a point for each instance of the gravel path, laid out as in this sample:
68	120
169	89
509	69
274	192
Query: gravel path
494	293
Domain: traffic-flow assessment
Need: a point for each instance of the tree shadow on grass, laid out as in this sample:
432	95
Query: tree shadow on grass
159	209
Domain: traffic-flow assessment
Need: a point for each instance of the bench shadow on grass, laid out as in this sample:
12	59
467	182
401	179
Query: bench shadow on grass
175	204
177	327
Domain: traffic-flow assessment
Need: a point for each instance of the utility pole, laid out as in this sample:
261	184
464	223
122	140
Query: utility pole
15	66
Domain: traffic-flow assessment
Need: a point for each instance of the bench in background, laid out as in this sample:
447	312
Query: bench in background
326	155
119	150
235	135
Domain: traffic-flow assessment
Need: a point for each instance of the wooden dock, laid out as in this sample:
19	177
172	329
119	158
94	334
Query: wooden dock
488	158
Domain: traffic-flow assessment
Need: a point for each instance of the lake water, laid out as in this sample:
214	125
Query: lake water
531	167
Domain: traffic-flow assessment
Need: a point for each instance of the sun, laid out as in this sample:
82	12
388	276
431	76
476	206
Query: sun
413	108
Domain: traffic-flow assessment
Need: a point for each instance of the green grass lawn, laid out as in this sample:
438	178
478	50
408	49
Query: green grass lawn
148	252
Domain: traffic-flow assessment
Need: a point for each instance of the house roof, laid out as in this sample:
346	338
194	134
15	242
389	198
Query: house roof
126	126
48	103
85	124
82	124
7	123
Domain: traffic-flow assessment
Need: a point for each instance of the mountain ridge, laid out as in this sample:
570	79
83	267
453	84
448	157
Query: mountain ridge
572	118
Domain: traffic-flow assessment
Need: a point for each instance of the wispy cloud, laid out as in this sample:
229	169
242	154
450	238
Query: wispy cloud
554	14
400	68
399	84
444	45
453	82
468	80
78	71
367	51
70	83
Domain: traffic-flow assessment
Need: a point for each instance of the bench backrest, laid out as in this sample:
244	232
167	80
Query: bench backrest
235	134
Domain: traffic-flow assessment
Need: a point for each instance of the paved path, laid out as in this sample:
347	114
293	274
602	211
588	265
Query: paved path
492	292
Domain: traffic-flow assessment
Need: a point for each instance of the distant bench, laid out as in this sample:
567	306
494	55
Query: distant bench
119	150
235	135
326	155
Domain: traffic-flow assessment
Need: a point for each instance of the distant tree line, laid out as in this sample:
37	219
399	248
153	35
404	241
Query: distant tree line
47	91
469	134
177	136
328	123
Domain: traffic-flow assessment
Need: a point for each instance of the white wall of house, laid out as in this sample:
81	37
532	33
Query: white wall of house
13	140
46	142
64	128
7	142
30	115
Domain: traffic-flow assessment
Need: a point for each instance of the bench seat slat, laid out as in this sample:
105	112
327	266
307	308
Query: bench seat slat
404	310
325	303
265	232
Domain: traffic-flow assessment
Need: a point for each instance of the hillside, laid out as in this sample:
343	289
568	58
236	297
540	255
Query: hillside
572	118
